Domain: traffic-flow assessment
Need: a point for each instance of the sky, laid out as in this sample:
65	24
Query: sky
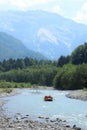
72	9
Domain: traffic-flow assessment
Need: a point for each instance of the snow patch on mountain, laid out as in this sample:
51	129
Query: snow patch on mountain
46	35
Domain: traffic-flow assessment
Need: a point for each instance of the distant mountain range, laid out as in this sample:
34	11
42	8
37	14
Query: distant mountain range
11	47
44	32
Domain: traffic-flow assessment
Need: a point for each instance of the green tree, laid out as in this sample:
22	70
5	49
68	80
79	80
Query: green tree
79	55
20	64
64	78
80	77
63	60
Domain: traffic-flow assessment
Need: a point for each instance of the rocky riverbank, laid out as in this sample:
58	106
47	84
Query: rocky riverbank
78	94
19	122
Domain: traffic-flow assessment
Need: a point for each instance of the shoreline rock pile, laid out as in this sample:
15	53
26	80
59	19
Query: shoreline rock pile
19	122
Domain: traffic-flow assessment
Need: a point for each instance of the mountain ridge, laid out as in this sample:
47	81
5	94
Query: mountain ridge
11	47
48	33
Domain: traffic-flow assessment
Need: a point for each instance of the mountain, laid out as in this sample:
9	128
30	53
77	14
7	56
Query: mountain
11	47
44	32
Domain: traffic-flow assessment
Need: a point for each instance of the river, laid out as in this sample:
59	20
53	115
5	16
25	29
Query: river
30	101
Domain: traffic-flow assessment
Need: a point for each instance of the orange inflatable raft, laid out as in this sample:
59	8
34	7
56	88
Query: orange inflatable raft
48	98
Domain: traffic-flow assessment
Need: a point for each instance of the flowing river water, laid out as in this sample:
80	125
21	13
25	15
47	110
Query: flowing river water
30	101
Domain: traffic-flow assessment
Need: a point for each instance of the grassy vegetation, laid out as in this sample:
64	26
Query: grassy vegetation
85	89
5	90
7	87
4	84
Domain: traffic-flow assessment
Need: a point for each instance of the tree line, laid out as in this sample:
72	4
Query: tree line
68	72
21	63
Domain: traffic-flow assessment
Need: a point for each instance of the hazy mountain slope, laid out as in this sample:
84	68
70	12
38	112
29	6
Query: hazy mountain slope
47	33
11	47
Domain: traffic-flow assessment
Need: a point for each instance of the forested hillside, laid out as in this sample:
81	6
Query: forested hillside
11	47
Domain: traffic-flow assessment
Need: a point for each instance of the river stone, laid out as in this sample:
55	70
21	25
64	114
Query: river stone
19	128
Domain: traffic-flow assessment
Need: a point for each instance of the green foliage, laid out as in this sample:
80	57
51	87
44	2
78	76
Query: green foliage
41	75
63	60
7	90
71	77
80	77
84	89
10	64
79	55
64	78
4	84
28	70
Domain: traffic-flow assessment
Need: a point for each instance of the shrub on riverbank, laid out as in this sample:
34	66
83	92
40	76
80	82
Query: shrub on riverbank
71	77
5	90
40	75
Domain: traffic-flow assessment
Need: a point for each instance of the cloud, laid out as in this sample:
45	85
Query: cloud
22	4
26	4
47	5
3	2
81	16
62	7
56	9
